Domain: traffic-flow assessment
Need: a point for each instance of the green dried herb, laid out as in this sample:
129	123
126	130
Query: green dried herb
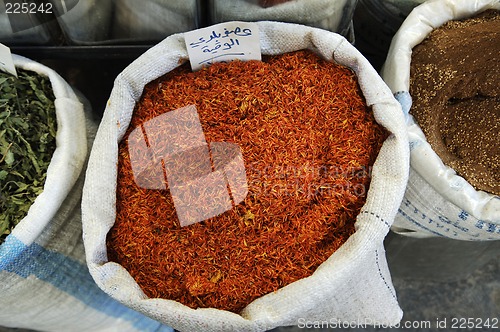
27	141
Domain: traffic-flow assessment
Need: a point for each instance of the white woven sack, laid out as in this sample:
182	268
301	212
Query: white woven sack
44	281
437	201
353	285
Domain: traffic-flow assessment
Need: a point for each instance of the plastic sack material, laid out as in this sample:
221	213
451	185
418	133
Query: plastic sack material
44	281
354	285
437	201
335	16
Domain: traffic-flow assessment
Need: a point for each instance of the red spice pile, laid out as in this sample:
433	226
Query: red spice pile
307	139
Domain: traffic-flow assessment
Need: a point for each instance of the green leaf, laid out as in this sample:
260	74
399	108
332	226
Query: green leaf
28	128
9	158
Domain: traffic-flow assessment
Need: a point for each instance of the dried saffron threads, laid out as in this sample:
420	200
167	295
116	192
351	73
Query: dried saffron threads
308	140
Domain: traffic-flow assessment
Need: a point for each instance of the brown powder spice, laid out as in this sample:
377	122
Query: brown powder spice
308	140
455	87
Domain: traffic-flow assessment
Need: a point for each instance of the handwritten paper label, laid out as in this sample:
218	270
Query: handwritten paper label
6	61
223	42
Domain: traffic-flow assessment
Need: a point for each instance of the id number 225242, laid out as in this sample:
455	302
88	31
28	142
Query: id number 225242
474	323
28	8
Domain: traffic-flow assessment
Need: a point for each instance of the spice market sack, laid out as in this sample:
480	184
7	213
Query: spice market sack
44	281
353	285
439	201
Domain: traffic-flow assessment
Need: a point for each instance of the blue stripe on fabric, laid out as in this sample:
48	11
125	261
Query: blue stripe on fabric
9	252
69	276
404	98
